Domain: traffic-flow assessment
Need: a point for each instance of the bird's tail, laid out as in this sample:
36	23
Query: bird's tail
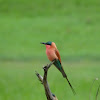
60	68
65	76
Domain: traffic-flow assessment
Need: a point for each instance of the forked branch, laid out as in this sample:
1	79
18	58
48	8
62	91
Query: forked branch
44	81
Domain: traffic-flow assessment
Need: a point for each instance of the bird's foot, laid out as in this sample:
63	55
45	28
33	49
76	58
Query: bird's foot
45	68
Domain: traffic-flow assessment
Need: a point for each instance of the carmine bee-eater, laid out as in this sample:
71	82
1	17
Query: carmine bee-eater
53	54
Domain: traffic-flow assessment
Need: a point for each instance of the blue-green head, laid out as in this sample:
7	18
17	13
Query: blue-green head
47	43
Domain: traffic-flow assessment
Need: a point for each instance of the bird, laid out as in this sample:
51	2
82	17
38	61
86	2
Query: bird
53	54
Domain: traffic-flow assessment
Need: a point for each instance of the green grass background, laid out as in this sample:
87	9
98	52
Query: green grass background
74	27
19	82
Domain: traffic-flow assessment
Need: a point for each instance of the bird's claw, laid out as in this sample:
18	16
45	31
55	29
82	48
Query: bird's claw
44	67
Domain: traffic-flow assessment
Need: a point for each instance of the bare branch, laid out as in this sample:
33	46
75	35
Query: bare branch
39	77
43	80
47	89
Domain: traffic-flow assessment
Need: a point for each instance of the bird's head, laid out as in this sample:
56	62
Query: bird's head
49	44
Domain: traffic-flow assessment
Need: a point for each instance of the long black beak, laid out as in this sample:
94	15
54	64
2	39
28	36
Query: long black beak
43	43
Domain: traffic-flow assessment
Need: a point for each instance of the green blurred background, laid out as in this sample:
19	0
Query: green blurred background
74	27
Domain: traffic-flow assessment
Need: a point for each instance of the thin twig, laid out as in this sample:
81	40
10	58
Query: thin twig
97	92
91	88
39	77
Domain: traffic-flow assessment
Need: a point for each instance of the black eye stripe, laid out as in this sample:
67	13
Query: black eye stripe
49	43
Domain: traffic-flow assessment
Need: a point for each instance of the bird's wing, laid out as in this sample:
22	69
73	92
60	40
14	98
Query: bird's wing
58	55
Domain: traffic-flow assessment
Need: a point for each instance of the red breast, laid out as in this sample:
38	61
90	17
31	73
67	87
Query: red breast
50	51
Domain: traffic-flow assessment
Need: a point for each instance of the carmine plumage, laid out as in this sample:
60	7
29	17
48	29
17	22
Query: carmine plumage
53	54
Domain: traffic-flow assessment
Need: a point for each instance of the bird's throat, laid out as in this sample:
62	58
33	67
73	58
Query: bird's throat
47	46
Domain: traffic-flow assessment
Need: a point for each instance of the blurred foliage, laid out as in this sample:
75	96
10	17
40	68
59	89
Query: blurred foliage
53	7
19	82
73	25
